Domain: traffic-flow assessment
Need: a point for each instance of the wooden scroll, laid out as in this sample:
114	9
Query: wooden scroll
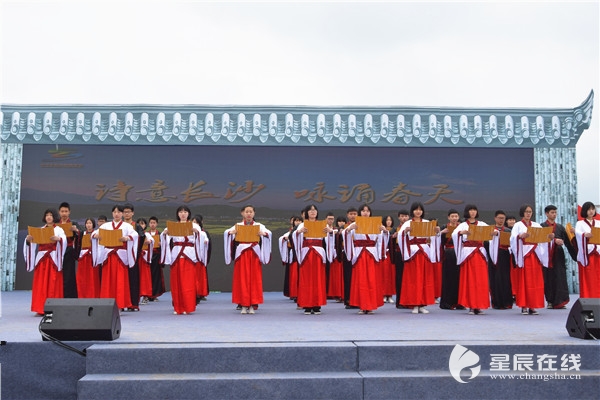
146	246
316	229
86	241
156	240
480	233
595	239
175	228
247	233
422	229
110	238
368	225
67	228
41	235
450	230
538	235
505	239
570	231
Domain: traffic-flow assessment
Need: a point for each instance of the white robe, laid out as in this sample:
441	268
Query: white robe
127	256
432	249
462	252
33	256
263	251
197	252
521	249
583	246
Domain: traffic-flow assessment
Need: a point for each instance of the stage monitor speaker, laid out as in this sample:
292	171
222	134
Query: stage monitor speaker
584	319
81	319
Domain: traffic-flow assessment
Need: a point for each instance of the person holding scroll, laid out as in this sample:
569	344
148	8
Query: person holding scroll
313	251
500	265
202	289
588	255
387	268
335	285
144	260
419	254
403	216
530	259
116	258
188	248
450	269
46	261
88	275
70	260
364	252
556	287
288	258
248	253
156	267
471	256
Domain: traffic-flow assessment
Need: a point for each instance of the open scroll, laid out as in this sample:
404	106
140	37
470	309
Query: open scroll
595	239
505	239
538	235
146	246
247	233
175	228
316	229
110	238
86	241
41	235
570	231
67	228
422	229
368	225
480	233
450	230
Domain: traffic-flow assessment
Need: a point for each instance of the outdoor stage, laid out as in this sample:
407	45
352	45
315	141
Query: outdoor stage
390	354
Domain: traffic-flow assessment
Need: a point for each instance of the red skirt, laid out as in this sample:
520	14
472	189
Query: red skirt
183	285
47	283
336	280
417	282
311	281
88	278
145	278
115	281
474	284
293	280
247	286
387	277
589	278
530	283
201	280
364	290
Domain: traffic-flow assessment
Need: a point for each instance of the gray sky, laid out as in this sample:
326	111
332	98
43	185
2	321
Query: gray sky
460	54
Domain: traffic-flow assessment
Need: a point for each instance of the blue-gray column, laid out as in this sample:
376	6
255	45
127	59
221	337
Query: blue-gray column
11	159
556	183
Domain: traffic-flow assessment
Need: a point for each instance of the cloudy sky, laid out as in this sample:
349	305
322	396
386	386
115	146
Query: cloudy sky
459	54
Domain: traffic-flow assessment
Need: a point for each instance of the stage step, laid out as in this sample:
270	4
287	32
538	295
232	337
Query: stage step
324	370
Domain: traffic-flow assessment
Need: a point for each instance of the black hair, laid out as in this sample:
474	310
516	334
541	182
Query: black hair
55	217
453	211
93	222
523	208
64	204
153	218
128	205
384	220
499	212
414	206
118	207
585	207
183	208
468	208
549	208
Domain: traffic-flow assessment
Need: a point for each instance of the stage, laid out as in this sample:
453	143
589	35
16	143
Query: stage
390	335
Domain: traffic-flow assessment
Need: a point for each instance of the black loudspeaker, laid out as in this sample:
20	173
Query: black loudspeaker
584	319
81	319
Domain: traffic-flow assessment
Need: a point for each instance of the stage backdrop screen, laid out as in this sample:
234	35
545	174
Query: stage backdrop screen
216	181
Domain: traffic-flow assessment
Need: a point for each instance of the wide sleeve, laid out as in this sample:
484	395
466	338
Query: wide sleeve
265	245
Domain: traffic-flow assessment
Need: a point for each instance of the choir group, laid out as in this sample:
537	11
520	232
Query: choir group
359	260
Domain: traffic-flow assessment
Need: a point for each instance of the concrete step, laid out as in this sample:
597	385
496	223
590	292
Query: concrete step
214	386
